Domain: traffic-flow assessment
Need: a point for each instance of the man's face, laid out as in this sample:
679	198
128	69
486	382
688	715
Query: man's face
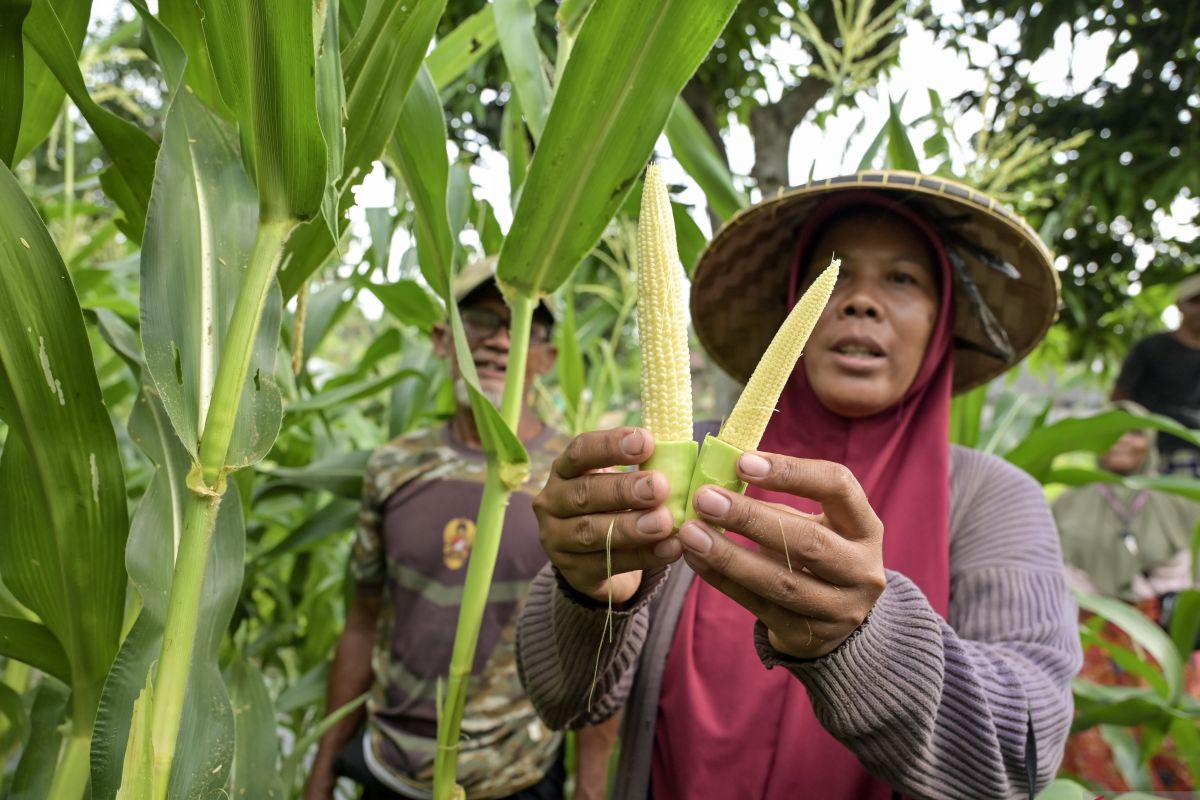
486	319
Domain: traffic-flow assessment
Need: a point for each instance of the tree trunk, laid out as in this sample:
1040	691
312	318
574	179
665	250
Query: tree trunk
772	127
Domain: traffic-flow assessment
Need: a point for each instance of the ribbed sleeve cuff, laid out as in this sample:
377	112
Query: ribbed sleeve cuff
576	671
886	676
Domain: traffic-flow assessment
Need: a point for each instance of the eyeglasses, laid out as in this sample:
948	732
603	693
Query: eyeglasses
481	324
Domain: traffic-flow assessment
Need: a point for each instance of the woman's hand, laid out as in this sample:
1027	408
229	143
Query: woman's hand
835	574
584	496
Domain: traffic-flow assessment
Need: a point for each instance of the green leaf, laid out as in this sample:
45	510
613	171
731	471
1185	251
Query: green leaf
463	47
901	154
379	66
614	97
252	773
331	111
419	150
35	645
691	145
185	21
131	150
340	473
167	50
206	735
381	62
290	764
408	302
137	770
868	159
42	97
263	58
1185	620
335	516
199	237
514	140
12	79
1095	434
966	416
689	239
12	710
1062	789
515	23
36	769
1145	633
1126	757
60	559
352	392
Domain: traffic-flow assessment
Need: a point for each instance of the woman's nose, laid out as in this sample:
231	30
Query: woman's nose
859	303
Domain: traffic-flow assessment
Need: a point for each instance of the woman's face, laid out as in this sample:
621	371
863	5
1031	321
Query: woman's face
869	345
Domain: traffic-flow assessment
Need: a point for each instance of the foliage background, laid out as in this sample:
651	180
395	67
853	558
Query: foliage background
1097	166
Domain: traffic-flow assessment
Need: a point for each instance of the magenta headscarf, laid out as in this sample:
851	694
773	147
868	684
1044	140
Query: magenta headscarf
727	727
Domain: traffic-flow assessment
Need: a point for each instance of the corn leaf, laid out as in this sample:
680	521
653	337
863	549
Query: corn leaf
379	65
185	21
1037	451
12	79
901	154
263	58
420	152
459	50
131	150
199	236
691	144
408	302
570	358
42	95
165	47
514	140
331	109
1145	634
12	710
255	749
60	559
515	22
34	644
201	767
137	774
614	97
381	62
36	770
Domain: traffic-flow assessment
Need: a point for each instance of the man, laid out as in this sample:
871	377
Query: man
416	527
1162	373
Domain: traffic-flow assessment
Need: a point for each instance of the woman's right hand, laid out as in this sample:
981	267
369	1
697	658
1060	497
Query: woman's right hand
586	495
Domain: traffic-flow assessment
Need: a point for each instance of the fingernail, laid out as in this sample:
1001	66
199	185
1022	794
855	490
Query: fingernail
712	503
668	549
649	522
633	443
754	466
644	488
695	539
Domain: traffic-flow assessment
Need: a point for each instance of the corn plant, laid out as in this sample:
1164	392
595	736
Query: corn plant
260	140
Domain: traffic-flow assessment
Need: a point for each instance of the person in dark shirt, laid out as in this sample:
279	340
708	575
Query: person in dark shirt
1162	373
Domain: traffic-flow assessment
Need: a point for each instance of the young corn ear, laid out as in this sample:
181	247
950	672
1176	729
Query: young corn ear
747	422
662	329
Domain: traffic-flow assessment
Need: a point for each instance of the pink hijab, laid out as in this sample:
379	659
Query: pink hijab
726	726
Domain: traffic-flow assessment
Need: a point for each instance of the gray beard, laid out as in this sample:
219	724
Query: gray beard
460	394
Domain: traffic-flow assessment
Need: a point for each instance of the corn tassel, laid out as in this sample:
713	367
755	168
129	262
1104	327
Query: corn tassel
717	463
662	329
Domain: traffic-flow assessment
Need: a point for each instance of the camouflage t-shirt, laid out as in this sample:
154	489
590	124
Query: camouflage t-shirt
415	529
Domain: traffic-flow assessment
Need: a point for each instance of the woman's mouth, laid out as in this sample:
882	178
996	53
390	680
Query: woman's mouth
858	354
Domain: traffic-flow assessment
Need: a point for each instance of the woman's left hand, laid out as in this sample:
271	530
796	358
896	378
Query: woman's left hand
814	578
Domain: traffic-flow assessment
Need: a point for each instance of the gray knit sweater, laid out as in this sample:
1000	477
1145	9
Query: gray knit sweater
936	708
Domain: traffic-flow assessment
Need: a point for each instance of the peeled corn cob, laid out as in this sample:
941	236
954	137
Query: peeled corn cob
717	463
662	328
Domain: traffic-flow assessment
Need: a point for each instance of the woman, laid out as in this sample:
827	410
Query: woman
911	592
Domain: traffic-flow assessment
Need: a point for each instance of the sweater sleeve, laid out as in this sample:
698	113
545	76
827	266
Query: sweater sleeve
940	709
576	669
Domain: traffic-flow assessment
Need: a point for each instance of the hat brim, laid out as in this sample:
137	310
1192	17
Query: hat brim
739	287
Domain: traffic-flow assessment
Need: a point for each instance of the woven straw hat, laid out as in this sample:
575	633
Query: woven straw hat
1005	292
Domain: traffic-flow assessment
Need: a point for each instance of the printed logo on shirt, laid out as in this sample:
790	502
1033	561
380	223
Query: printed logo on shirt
457	537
